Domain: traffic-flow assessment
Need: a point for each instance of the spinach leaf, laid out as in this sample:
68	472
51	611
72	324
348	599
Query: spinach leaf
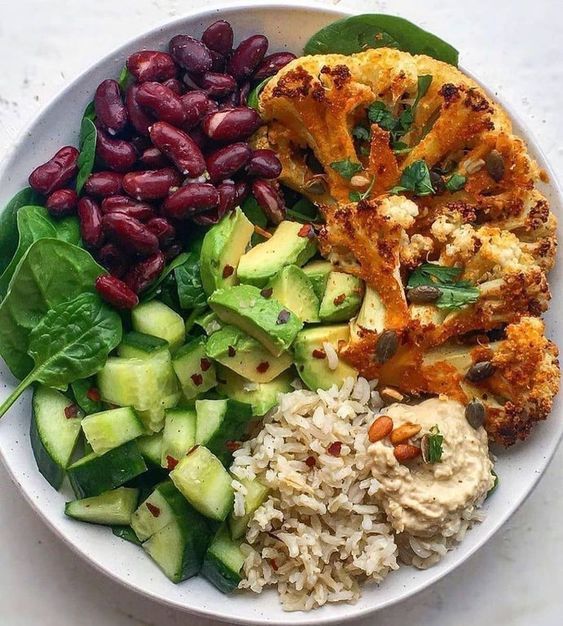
358	33
72	341
346	168
254	212
254	95
90	112
50	272
416	179
190	289
88	139
8	224
125	78
455	293
151	293
87	395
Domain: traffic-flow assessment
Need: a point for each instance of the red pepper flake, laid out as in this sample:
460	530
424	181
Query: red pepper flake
228	270
231	351
307	230
267	292
273	564
263	367
71	411
171	462
93	394
310	461
283	317
197	379
205	364
334	448
319	354
339	299
155	511
232	445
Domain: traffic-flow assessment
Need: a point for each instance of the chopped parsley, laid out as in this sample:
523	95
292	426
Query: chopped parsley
455	182
416	179
435	441
361	133
455	293
346	168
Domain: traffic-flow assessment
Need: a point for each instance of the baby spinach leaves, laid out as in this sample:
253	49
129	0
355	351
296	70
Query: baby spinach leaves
88	139
455	293
87	395
358	33
254	95
71	341
190	288
415	178
346	168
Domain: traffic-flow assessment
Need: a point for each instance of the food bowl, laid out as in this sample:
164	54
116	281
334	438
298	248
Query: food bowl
288	26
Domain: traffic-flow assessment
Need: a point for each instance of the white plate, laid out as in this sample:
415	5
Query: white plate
288	26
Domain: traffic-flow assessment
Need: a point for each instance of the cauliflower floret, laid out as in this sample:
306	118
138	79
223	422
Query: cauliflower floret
445	225
463	245
399	210
415	249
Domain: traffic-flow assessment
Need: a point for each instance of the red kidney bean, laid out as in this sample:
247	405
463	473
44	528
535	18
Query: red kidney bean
153	158
265	164
90	218
208	218
130	233
127	206
227	197
218	85
179	147
269	199
241	191
219	37
117	154
113	259
104	184
175	85
151	184
231	124
196	105
219	61
56	172
139	143
231	101
145	272
137	116
62	202
190	54
116	292
173	251
201	139
163	229
191	199
224	162
151	65
111	113
247	56
272	64
243	95
162	102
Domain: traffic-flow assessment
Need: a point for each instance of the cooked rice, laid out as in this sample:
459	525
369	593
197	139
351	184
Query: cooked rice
322	532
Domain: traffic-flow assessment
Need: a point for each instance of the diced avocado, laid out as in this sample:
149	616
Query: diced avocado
342	297
265	319
194	370
223	561
317	272
286	247
178	436
155	318
371	315
256	494
292	288
110	429
222	247
220	423
240	352
112	507
261	396
209	322
311	359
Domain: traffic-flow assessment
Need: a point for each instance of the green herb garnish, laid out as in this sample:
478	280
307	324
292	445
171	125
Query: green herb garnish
455	182
416	179
346	168
435	441
455	293
358	196
361	133
495	484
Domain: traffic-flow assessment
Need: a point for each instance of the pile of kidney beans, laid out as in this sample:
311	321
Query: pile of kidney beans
172	148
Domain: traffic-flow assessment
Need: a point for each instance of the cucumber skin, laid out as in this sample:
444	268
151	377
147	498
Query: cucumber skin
219	574
126	533
232	428
52	472
106	472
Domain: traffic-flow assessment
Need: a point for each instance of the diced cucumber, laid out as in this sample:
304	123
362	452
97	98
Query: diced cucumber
256	494
93	474
178	436
155	318
209	322
110	429
223	561
53	434
151	448
136	345
126	533
220	422
194	370
109	508
158	510
87	395
205	483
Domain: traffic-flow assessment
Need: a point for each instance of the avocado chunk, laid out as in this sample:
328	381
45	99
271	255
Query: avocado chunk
194	370
317	272
291	287
265	319
246	356
286	247
371	315
312	361
342	298
261	396
209	322
222	247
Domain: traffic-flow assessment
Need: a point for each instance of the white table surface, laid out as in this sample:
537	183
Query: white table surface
514	46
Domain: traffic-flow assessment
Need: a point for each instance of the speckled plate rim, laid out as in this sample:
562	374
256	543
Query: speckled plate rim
531	459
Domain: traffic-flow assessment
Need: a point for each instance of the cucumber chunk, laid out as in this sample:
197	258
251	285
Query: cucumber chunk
92	475
219	423
194	370
178	436
110	429
223	561
136	345
151	447
126	533
109	508
53	434
205	483
158	510
155	318
256	494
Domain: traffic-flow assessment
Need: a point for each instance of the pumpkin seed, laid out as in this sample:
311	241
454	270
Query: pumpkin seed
475	414
423	294
480	371
389	395
495	165
386	346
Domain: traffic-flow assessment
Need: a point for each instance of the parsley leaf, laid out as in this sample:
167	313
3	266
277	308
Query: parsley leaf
358	196
361	133
455	293
416	179
435	449
346	168
400	147
379	114
455	182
